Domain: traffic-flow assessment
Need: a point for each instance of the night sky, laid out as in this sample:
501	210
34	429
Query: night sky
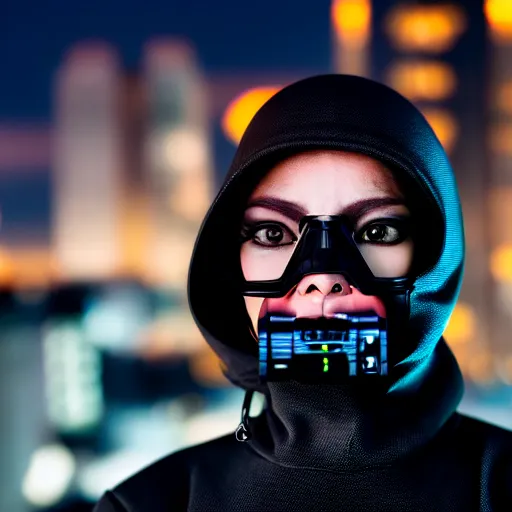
229	36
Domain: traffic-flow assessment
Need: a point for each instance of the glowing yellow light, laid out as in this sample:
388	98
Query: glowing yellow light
444	125
241	110
501	138
499	18
461	327
26	267
432	29
7	269
423	80
501	263
34	268
352	21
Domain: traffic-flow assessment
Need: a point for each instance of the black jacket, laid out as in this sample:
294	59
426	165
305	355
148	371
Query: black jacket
394	447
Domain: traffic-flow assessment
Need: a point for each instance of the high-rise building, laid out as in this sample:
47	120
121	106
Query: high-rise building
88	167
177	179
135	203
351	35
178	163
421	49
499	102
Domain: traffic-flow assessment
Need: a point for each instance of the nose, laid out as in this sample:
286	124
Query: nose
325	284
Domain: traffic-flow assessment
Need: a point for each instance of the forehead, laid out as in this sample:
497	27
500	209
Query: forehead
320	176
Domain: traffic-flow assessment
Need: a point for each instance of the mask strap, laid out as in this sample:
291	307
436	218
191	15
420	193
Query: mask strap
243	433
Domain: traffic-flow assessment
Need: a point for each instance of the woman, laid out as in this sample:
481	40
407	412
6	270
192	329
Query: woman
333	151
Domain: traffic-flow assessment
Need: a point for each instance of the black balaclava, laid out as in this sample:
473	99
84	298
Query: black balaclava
341	426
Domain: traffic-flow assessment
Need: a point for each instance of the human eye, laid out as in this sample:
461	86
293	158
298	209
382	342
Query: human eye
268	234
383	232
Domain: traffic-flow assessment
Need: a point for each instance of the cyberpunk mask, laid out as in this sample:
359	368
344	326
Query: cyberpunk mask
357	331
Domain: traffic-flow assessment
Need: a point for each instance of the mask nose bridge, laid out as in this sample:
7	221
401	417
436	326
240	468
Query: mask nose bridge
325	241
325	246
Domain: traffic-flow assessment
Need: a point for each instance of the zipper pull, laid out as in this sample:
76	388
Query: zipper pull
243	432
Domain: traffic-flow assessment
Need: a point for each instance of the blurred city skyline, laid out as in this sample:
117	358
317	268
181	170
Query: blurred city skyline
425	50
37	39
233	57
118	122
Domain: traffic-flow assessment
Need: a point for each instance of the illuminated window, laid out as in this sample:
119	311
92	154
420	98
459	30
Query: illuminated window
499	18
352	21
423	80
425	28
73	378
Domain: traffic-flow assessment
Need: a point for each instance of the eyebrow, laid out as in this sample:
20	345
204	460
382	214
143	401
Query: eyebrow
295	212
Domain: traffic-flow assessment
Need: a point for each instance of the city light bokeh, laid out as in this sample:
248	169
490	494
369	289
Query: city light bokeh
103	368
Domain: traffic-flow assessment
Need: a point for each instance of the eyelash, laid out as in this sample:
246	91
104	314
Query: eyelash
401	224
249	230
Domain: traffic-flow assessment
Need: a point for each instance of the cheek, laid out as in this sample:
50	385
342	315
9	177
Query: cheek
392	261
260	264
245	262
253	305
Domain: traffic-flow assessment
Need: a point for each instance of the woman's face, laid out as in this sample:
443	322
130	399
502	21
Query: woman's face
325	183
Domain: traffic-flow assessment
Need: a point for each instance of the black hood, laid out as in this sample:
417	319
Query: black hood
332	112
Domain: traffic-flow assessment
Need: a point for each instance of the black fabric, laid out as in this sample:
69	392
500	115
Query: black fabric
341	427
465	468
393	446
110	503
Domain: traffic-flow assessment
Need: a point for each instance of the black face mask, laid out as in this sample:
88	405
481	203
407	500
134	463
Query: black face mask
345	344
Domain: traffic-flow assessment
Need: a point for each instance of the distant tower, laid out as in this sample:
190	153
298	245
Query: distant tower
88	169
351	34
178	161
499	20
136	219
421	50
